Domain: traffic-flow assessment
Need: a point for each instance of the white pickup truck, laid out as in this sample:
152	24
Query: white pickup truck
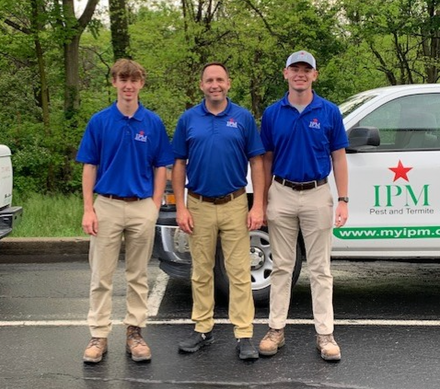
9	215
394	189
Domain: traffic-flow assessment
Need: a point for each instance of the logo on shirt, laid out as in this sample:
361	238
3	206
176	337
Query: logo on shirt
315	124
141	137
232	123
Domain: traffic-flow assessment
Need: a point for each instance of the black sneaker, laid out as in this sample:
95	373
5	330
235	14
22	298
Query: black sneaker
246	350
196	341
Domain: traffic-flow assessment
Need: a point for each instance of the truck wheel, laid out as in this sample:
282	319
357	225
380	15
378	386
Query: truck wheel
261	266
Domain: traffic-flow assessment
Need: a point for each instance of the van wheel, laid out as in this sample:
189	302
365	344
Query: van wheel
261	266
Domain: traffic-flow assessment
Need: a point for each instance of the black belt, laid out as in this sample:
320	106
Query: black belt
127	199
301	185
218	200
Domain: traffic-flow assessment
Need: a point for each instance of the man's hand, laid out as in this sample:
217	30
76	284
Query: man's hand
341	214
255	218
185	220
90	223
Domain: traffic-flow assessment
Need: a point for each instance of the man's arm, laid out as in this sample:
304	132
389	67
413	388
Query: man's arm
183	217
160	181
89	221
256	214
340	171
267	164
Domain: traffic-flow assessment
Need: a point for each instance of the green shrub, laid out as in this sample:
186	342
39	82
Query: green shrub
49	216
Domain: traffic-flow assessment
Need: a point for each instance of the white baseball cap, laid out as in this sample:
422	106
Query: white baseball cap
301	56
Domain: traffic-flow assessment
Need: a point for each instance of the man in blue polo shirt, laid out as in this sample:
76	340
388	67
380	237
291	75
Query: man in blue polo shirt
304	137
212	145
125	151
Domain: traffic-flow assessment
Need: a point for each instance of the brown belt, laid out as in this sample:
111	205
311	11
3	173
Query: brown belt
300	185
127	199
218	200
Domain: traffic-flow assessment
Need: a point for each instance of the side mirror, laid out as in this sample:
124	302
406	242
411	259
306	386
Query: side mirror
359	137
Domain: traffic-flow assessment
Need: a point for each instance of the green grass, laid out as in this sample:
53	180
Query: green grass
49	216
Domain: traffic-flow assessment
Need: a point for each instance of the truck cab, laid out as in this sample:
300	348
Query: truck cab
9	215
394	190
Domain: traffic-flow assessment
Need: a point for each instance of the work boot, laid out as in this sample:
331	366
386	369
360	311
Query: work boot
196	341
328	347
246	349
136	345
96	348
272	341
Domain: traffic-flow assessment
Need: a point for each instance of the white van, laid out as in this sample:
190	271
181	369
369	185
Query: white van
394	189
9	215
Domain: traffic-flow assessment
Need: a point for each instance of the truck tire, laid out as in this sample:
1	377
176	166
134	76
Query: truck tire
261	267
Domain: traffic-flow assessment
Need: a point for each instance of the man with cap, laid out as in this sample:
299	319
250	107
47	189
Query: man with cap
304	137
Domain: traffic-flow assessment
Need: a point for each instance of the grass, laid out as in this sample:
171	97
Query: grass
49	216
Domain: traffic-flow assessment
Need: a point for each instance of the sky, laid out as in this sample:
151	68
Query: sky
80	4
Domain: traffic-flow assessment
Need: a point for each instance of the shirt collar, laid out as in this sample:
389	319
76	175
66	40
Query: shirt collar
223	113
315	103
138	115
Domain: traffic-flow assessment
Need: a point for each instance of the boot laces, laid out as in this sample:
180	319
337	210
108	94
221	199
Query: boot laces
95	342
134	333
273	334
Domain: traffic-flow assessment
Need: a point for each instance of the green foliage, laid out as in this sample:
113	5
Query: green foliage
401	36
358	45
49	216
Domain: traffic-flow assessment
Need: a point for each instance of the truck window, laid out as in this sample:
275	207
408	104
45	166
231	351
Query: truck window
407	123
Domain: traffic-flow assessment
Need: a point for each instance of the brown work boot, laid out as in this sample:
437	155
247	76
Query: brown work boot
136	345
272	341
328	347
96	348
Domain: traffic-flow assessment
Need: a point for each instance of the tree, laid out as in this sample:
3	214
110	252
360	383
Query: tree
403	37
30	21
73	29
119	29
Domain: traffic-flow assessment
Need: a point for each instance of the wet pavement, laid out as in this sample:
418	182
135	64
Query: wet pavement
387	326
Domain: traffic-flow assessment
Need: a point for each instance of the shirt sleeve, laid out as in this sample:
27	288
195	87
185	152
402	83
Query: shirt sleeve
89	146
254	145
339	136
180	147
164	154
266	132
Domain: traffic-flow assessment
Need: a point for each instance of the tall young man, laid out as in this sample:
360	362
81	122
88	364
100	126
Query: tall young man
304	137
124	151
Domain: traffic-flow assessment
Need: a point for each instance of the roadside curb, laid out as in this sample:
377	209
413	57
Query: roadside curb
44	250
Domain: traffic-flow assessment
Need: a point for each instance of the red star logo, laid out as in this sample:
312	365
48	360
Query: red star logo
400	171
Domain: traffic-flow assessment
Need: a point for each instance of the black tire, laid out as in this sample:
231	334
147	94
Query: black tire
261	267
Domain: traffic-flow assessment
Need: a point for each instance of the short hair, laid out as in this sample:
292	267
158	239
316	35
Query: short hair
127	68
214	64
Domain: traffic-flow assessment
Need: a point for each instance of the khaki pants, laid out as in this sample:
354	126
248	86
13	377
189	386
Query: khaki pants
228	220
312	212
135	221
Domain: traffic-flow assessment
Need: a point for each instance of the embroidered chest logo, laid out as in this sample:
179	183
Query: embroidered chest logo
315	124
232	123
141	137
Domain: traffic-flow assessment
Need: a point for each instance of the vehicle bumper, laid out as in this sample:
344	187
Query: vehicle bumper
171	247
9	218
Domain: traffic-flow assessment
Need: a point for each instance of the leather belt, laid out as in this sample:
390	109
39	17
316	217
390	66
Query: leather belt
127	199
300	185
218	200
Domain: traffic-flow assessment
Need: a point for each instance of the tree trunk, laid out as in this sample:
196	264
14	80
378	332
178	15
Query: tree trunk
119	29
71	52
71	68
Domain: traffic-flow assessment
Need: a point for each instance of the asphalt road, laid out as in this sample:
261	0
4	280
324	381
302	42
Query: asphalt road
387	324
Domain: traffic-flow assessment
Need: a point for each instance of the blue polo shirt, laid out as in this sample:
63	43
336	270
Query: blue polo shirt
217	148
302	142
126	151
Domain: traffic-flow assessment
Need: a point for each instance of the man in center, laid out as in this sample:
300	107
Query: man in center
213	144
